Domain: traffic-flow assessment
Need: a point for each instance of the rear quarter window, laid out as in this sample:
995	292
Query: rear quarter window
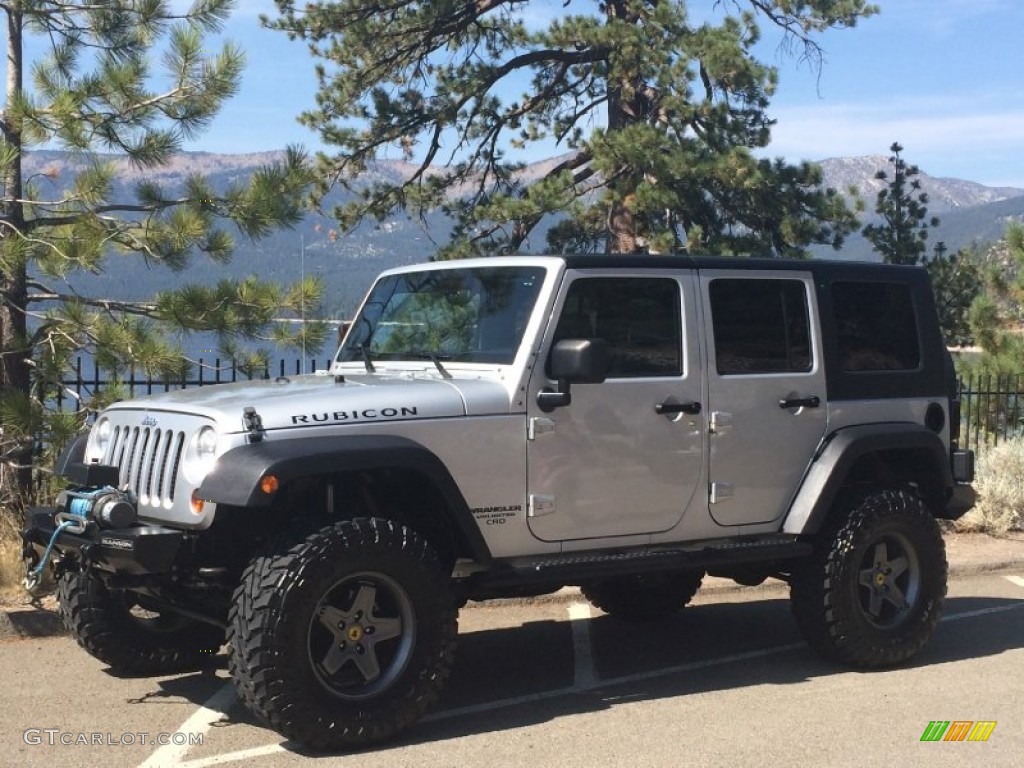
876	327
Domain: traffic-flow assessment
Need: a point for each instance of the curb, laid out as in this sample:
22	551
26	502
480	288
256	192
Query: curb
30	622
37	622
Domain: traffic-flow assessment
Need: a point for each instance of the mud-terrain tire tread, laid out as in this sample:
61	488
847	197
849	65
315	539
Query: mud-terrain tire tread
99	621
646	597
829	619
280	689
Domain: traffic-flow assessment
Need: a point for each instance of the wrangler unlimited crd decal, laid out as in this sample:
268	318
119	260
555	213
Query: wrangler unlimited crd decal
366	413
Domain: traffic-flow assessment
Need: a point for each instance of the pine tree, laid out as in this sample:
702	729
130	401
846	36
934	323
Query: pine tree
119	79
957	281
902	235
658	118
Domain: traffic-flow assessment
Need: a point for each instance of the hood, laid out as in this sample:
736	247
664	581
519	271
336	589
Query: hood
317	399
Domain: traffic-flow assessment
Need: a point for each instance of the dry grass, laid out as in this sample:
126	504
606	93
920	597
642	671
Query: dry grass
10	554
999	482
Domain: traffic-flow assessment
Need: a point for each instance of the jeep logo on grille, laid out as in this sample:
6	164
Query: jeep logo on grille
149	421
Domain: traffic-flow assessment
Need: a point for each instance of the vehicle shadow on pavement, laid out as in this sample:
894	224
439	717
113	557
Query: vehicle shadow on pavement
704	649
515	677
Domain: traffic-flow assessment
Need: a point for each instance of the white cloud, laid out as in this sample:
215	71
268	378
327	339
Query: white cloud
943	136
940	19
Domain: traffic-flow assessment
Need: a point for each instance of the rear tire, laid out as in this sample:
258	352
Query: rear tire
645	596
872	592
345	638
117	630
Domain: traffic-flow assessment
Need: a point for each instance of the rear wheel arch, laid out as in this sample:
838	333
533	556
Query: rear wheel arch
871	456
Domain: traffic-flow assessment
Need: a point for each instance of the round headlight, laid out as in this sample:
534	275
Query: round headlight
103	432
206	442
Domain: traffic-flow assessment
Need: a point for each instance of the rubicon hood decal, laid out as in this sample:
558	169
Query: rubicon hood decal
366	414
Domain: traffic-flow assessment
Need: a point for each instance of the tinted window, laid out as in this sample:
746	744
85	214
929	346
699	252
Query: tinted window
875	327
640	318
760	326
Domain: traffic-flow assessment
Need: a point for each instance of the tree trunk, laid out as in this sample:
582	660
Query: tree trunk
15	353
622	231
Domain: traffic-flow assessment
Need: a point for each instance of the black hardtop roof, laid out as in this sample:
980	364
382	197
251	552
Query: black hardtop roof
853	270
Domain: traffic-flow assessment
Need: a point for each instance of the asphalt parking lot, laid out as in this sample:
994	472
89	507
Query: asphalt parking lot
726	682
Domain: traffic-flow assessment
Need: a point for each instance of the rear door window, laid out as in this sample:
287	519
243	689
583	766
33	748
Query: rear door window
760	326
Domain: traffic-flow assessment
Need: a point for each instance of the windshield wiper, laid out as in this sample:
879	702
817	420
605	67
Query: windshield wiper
366	358
435	359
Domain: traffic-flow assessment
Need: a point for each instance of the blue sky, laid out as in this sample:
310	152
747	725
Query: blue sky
945	78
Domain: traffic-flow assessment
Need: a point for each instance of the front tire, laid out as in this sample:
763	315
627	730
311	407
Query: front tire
644	597
345	638
871	594
117	628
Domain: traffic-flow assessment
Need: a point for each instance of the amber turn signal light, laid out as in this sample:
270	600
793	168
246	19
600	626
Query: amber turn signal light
269	484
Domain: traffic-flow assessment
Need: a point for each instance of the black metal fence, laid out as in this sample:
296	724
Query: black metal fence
88	379
991	411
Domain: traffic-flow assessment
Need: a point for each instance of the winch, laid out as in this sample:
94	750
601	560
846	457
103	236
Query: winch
106	507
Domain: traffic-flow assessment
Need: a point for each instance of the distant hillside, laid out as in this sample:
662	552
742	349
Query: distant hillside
968	212
348	262
943	194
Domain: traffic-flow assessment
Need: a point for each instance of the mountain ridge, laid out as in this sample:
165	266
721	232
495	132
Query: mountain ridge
348	262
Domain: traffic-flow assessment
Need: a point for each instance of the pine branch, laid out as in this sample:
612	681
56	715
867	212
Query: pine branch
139	308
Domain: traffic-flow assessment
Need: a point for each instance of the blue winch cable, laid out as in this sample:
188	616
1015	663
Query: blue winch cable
38	571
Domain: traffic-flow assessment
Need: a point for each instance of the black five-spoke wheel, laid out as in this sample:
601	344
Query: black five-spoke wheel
362	635
345	638
890	579
872	592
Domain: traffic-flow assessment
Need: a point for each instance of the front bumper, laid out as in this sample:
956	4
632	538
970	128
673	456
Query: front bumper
137	549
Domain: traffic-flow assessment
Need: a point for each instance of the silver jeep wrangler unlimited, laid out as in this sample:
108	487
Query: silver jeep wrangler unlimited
509	426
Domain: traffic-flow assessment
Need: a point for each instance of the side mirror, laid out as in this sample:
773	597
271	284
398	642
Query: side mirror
573	361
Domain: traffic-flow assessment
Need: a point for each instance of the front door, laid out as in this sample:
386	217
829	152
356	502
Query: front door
625	457
766	384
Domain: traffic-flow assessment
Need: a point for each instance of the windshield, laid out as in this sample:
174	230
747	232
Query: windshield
474	315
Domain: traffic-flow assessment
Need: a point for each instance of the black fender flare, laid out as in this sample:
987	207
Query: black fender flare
841	450
235	478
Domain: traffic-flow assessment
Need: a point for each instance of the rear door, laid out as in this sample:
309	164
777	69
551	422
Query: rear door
766	390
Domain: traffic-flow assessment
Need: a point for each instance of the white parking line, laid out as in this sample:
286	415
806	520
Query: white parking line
981	612
233	757
202	720
578	626
1016	580
579	615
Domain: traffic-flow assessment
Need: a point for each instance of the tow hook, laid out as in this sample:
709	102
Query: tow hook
33	578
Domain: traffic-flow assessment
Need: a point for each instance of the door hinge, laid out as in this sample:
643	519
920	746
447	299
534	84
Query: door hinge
720	421
540	505
721	492
539	426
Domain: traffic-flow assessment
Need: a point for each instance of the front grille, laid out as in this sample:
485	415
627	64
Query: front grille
148	459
